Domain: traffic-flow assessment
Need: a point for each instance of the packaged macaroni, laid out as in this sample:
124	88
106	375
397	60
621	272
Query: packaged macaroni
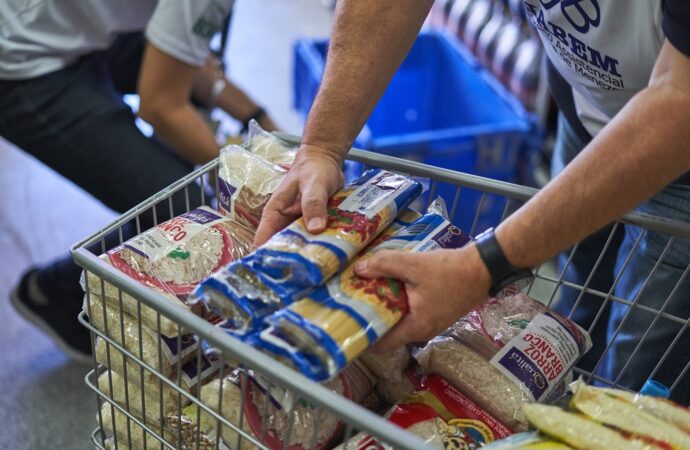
172	259
333	325
294	262
439	414
527	441
506	353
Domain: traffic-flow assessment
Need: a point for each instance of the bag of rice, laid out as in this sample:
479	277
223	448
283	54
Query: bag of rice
332	326
294	262
388	366
505	353
270	420
190	373
147	400
441	415
126	333
127	433
269	147
246	181
173	258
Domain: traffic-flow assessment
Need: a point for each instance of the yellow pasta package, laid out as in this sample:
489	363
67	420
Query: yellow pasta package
329	328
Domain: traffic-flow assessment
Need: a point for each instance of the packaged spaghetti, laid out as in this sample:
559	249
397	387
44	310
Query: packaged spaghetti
506	353
356	215
666	410
439	414
621	415
580	432
294	262
336	323
172	259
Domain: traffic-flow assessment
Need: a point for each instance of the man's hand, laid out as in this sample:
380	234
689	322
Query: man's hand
314	177
441	286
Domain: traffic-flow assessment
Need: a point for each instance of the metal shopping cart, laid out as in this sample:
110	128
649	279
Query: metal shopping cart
134	427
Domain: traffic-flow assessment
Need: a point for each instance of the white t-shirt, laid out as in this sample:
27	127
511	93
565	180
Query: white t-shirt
41	36
605	50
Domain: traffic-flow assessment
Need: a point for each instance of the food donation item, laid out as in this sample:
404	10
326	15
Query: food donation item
505	353
140	400
172	259
127	433
191	373
269	146
332	326
294	262
605	408
441	415
527	441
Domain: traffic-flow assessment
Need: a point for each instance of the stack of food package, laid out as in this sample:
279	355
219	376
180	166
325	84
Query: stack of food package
298	299
603	418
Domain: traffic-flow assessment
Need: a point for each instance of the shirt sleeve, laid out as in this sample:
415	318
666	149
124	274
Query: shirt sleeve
677	24
183	28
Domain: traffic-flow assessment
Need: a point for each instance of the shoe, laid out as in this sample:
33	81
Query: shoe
55	317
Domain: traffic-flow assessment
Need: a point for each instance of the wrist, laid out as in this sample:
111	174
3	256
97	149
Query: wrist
312	151
470	260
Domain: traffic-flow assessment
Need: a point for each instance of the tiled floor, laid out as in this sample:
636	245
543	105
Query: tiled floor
44	403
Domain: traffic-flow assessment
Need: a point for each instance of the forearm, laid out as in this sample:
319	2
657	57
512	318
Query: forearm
643	149
369	41
231	99
185	131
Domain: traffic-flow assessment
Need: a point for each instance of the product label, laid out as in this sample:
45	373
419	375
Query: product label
192	373
168	238
538	358
376	194
169	347
226	195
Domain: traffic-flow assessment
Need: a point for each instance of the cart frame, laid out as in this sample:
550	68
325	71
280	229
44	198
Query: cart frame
355	417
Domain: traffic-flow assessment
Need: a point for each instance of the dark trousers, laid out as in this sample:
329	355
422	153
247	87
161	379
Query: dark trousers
75	122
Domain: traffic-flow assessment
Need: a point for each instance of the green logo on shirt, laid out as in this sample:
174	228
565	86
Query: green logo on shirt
210	21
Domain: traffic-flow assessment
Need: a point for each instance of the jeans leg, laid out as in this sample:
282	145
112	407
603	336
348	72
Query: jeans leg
572	303
75	123
639	338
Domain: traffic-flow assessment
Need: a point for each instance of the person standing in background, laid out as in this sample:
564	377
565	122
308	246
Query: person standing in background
64	67
620	72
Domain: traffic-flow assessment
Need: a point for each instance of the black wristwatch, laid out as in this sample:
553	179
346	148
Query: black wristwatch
502	271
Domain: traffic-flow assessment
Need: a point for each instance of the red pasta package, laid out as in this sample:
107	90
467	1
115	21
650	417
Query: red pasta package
439	414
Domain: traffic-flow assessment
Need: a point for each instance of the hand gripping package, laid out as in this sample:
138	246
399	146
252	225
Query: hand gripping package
505	353
294	262
325	331
172	258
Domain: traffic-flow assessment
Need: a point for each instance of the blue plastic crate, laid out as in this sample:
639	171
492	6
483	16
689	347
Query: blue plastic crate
441	108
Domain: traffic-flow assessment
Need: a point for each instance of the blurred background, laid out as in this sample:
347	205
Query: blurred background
469	97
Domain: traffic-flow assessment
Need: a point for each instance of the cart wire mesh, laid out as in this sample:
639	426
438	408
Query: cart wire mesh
150	404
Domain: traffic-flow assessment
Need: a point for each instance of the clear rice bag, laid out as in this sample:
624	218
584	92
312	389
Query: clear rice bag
333	325
172	259
112	384
191	373
294	262
506	353
269	147
125	330
127	434
246	182
388	366
439	414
